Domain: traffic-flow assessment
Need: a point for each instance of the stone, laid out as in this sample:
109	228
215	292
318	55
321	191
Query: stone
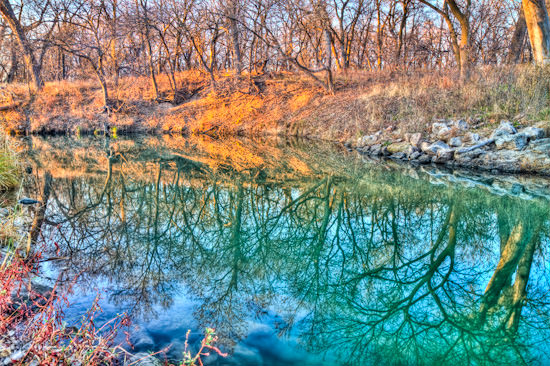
143	359
438	126
443	155
541	146
424	159
512	142
533	133
434	148
415	139
398	147
444	133
411	149
366	141
141	340
455	142
415	155
461	125
470	154
399	155
376	150
505	128
472	137
424	146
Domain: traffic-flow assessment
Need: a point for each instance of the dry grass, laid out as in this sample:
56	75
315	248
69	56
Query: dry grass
9	167
287	104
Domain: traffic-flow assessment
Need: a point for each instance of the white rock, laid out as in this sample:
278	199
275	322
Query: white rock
533	133
505	128
455	142
415	139
461	124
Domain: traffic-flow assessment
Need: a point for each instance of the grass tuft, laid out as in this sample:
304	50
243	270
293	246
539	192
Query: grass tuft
9	167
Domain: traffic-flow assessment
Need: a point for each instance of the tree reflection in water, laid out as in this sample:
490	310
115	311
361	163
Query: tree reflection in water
387	266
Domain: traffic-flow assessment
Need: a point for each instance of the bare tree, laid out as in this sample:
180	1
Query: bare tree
31	63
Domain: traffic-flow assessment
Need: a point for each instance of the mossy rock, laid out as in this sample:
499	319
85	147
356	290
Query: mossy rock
398	147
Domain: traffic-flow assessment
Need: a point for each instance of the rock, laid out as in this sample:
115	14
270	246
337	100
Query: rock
470	154
398	147
141	340
545	125
415	155
444	133
533	133
366	141
424	159
376	150
415	139
512	142
455	142
443	156
472	137
438	126
461	125
411	150
505	128
541	146
399	155
434	148
143	359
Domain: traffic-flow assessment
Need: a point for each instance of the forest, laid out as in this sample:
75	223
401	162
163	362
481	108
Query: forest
45	40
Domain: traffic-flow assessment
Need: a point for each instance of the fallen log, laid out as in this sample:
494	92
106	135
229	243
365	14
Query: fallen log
472	148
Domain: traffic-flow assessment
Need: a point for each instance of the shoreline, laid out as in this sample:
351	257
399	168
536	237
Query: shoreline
394	115
505	149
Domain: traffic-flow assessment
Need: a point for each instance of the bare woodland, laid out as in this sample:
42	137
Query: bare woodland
44	40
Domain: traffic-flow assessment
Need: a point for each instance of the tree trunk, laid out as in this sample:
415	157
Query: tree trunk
238	63
28	54
14	66
518	39
538	27
328	65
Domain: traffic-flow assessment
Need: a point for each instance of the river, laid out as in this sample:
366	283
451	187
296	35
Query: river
297	253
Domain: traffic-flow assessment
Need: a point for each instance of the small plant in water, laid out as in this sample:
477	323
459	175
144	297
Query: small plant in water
207	345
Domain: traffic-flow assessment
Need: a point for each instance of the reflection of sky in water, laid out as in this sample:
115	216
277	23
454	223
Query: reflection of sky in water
357	262
167	327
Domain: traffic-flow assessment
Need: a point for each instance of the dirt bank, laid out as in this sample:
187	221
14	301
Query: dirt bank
284	104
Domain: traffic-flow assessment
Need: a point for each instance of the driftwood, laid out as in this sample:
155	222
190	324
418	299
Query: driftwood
472	148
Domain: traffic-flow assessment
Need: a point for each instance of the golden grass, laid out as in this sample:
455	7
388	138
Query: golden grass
9	167
289	104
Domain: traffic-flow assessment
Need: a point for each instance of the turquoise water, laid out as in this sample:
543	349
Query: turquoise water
298	253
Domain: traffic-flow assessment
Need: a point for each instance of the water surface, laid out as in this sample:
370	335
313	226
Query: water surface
298	253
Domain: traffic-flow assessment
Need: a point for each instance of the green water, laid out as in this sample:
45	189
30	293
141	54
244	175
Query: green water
299	253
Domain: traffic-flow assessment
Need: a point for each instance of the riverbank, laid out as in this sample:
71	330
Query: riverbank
284	104
367	109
